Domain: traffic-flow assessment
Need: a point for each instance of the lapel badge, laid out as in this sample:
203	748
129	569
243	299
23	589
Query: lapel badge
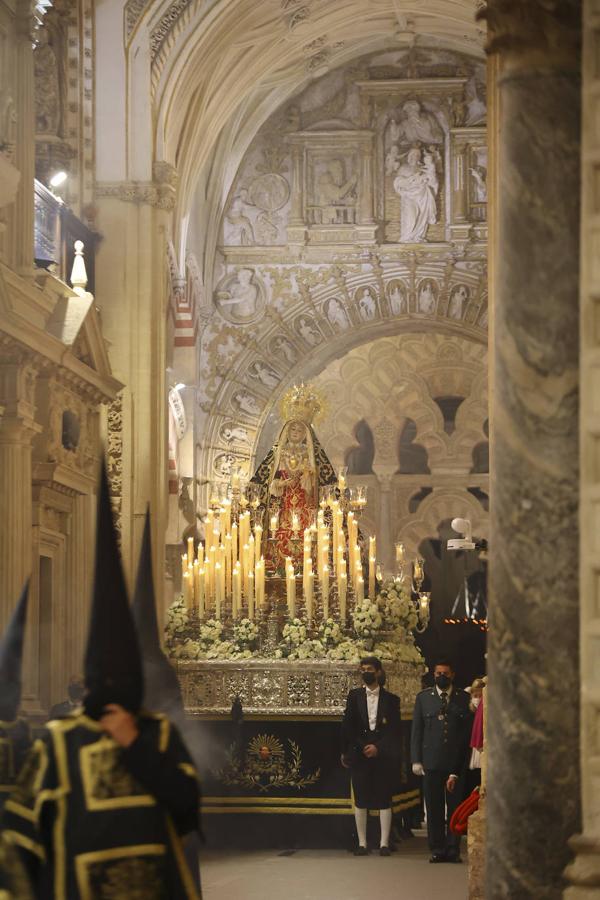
384	721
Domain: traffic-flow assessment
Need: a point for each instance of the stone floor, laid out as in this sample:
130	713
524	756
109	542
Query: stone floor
331	875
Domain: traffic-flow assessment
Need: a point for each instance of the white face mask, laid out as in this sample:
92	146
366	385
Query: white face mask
475	702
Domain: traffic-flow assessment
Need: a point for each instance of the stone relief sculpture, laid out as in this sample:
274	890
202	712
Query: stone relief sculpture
458	301
335	194
281	347
240	297
259	371
427	297
224	464
479	174
417	185
239	221
246	403
416	126
307	330
337	315
475	100
48	81
231	432
367	306
396	293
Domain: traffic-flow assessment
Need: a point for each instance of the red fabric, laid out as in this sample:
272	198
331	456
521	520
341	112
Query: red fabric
460	816
477	730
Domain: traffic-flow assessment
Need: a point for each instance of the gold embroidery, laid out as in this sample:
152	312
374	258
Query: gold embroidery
26	790
7	764
184	872
188	769
107	784
265	765
15	837
122	873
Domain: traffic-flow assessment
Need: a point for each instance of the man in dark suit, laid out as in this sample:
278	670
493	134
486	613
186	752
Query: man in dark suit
370	749
441	727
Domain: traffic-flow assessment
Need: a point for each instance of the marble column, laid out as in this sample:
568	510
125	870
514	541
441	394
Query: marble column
583	874
533	725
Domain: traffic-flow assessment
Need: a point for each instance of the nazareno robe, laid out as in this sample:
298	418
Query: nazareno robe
15	741
95	821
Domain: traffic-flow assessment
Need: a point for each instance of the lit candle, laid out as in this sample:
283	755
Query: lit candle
250	595
308	597
236	589
234	543
360	589
273	523
201	592
372	546
190	548
325	591
295	523
372	563
235	481
184	563
400	554
342	483
342	590
245	567
257	541
291	593
188	591
218	591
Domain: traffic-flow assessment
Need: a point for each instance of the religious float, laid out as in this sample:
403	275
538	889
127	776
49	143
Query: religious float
281	599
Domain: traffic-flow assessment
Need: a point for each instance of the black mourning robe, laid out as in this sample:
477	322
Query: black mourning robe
95	821
15	741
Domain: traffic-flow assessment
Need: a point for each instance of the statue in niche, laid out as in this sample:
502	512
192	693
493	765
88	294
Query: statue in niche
224	464
263	373
282	347
307	331
289	479
335	193
427	298
417	185
337	314
239	220
366	304
240	297
458	300
48	97
476	108
397	298
479	174
246	403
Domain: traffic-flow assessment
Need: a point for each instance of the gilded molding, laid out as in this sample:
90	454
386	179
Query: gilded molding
538	33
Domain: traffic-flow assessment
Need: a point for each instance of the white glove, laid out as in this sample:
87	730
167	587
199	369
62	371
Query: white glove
418	769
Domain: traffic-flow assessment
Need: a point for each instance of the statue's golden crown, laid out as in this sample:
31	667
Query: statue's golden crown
301	402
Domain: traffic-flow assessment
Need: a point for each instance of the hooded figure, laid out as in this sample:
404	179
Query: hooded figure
113	665
14	731
161	685
105	795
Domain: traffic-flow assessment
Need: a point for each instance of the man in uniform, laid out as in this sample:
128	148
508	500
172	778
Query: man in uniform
370	749
441	728
105	794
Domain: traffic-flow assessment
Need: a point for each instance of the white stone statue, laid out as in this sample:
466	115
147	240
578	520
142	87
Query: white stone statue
416	125
234	433
264	374
337	314
392	160
366	305
241	223
310	334
416	184
458	299
397	297
427	298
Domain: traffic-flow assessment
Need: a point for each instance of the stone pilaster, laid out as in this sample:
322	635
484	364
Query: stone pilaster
533	722
583	874
25	143
17	429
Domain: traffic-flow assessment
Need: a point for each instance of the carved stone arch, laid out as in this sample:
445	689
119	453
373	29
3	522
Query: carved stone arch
441	505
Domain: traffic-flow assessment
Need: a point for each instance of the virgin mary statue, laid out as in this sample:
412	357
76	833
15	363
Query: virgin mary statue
290	479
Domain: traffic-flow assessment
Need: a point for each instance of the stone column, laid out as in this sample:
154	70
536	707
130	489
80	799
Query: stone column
366	184
17	384
459	182
296	210
533	722
584	873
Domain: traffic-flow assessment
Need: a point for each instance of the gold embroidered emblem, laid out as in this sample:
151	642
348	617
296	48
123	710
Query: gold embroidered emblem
123	873
107	783
265	765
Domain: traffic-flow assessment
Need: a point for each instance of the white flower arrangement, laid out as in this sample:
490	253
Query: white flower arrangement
330	633
390	651
177	621
294	633
346	651
367	619
210	633
245	633
309	649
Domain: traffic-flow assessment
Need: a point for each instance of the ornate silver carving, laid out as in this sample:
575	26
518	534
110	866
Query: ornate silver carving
316	688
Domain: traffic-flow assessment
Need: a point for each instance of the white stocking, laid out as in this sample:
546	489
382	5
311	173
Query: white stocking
360	817
385	820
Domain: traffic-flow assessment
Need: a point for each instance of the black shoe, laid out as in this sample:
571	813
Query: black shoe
437	858
361	851
385	851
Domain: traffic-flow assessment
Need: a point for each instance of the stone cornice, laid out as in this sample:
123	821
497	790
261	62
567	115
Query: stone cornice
534	34
142	193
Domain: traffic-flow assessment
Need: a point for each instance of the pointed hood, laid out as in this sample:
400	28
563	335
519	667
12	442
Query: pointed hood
162	692
113	666
11	653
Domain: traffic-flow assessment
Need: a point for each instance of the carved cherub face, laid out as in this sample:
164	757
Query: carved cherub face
244	276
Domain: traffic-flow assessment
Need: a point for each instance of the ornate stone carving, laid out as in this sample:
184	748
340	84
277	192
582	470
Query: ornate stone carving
539	32
114	458
160	33
241	297
133	13
139	192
